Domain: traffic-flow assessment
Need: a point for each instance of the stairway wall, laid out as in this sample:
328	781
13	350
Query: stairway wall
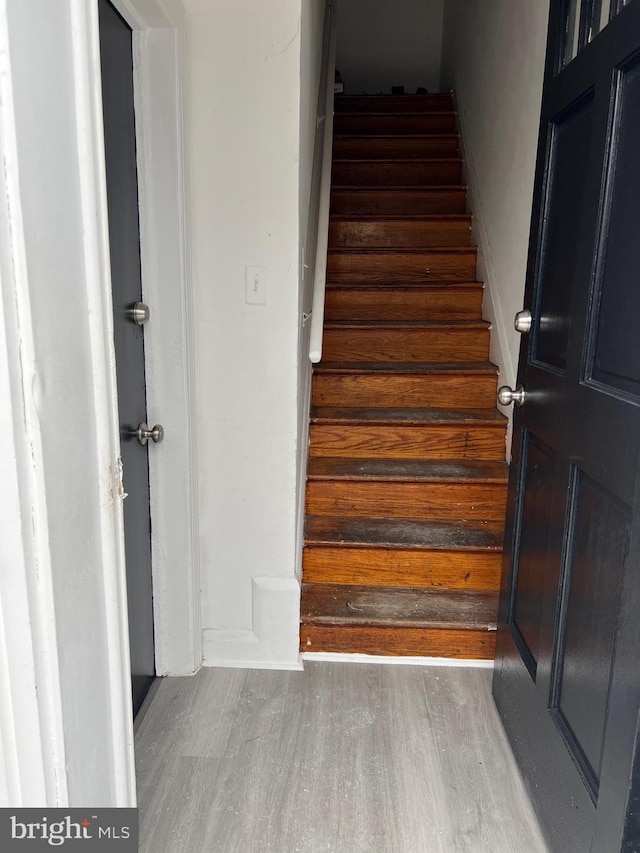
493	57
244	149
383	43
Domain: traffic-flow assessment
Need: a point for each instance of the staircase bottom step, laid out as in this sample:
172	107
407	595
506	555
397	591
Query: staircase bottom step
399	642
392	621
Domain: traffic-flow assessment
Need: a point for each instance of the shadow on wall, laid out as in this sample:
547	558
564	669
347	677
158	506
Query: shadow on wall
385	43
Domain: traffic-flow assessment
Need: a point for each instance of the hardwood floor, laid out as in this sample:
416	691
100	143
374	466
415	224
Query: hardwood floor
340	758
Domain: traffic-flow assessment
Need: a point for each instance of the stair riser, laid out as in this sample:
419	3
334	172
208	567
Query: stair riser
409	442
407	202
406	345
372	174
386	567
395	235
381	391
346	148
383	499
400	125
418	304
418	642
441	102
401	267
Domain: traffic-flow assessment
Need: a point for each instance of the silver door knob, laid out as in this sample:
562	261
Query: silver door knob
522	322
139	313
507	396
144	434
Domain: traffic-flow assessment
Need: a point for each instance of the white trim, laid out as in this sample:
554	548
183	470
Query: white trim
106	439
159	80
272	643
338	657
31	729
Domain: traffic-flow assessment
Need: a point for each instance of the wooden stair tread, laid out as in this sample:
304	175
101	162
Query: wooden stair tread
396	115
365	415
448	137
398	188
398	217
412	161
404	250
331	604
385	188
381	286
409	367
401	533
422	325
406	470
350	102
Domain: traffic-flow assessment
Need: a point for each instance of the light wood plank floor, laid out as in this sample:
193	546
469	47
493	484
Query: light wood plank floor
339	758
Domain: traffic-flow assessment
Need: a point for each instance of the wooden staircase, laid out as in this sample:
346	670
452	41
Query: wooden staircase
407	481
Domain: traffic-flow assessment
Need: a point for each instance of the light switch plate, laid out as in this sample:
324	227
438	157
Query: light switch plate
256	285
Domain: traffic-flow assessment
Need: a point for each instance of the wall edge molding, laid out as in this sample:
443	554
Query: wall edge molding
273	640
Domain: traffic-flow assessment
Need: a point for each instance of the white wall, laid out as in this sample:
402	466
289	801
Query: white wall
493	57
244	149
384	43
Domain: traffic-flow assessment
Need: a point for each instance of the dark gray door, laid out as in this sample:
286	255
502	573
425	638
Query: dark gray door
567	678
124	237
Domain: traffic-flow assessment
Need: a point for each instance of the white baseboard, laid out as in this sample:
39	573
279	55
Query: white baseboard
341	657
273	642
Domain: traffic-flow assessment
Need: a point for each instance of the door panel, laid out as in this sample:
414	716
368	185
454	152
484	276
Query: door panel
126	283
572	553
526	617
569	147
597	547
615	358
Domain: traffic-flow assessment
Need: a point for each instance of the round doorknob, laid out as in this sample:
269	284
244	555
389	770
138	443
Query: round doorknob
156	434
522	322
507	396
139	313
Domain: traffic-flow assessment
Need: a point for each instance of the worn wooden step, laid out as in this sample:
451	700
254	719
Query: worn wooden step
390	384
341	604
438	102
393	123
406	340
420	301
402	552
404	200
390	147
402	265
433	200
397	173
400	488
349	232
407	433
397	642
455	624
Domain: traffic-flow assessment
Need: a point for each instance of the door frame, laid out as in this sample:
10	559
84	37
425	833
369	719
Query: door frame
161	140
65	697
